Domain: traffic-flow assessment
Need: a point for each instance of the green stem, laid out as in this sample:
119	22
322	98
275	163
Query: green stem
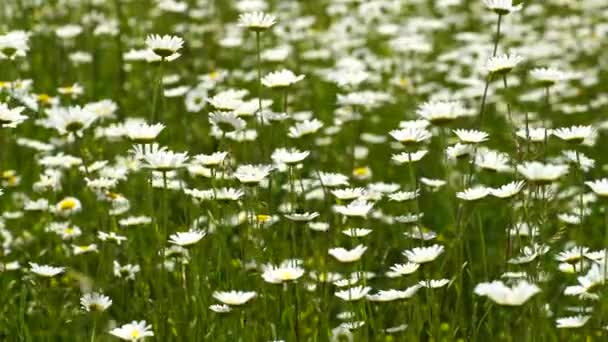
94	327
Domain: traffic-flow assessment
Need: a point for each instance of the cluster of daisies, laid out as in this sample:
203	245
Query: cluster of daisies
281	172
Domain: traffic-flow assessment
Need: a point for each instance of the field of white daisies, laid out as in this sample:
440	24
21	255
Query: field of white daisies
321	170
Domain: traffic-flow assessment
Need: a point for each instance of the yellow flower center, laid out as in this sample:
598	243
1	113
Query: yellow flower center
403	82
67	204
361	171
113	195
69	231
214	75
44	98
263	218
286	275
12	180
135	334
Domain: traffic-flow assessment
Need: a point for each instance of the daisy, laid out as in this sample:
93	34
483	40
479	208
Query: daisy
228	194
11	117
41	204
572	255
127	271
595	277
257	21
234	298
82	249
164	161
534	134
288	156
344	255
143	133
70	120
353	293
220	308
385	296
332	180
574	134
281	79
433	283
356	232
459	151
68	206
548	76
502	7
349	193
211	160
408	218
319	226
441	112
503	64
227	121
103	236
358	208
411	135
538	172
135	221
471	136
95	302
491	160
46	270
252	174
421	255
508	190
133	331
498	292
474	194
164	46
186	238
302	217
402	196
228	100
418	233
301	129
68	31
287	271
407	157
572	322
402	269
73	91
433	183
14	44
599	187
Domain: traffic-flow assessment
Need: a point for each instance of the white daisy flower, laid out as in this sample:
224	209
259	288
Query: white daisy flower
344	255
164	46
234	298
501	294
421	255
133	331
257	21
